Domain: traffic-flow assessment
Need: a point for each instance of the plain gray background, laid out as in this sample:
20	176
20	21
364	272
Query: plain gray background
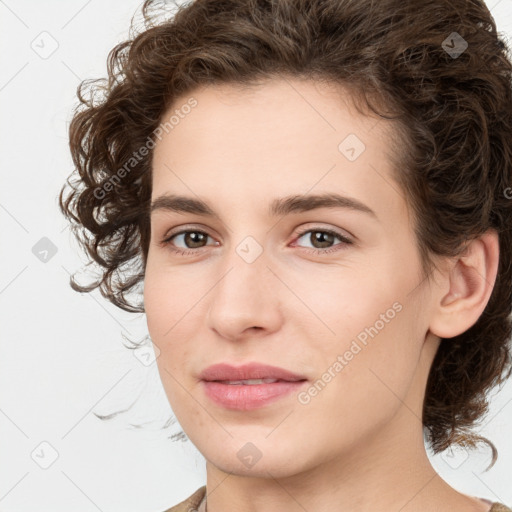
62	357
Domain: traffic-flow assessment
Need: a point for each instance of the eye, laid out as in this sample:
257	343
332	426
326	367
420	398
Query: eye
322	238
193	240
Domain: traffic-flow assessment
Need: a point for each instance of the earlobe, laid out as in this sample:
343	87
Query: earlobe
470	280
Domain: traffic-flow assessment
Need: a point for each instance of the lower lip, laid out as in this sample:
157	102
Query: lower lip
247	397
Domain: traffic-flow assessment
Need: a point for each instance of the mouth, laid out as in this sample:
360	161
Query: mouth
249	387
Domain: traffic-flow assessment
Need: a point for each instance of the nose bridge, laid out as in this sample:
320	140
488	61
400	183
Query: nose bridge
245	273
245	294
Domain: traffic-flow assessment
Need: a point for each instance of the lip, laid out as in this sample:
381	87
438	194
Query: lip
224	371
248	397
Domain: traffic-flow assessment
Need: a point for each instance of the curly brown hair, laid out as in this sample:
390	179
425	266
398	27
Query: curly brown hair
400	59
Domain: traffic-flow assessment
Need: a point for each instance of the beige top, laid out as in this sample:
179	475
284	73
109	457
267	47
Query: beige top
197	503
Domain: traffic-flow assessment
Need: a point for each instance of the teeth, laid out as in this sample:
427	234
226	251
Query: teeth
249	382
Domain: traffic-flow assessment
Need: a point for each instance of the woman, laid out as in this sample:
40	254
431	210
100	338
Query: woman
315	196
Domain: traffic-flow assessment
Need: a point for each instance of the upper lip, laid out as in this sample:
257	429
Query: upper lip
225	371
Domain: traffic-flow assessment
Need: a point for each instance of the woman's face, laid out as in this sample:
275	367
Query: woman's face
348	312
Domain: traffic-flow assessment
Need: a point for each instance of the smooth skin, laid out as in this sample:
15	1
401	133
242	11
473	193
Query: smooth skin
358	444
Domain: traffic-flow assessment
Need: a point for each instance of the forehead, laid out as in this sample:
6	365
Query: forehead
304	108
258	142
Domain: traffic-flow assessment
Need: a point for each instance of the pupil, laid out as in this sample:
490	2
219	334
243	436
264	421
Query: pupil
194	235
320	235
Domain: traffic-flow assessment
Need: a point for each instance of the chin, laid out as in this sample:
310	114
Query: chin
257	458
263	468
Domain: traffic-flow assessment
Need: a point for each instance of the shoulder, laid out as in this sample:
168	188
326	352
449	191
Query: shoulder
499	507
193	501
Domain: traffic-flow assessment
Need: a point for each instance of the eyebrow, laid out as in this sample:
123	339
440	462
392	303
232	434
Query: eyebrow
278	207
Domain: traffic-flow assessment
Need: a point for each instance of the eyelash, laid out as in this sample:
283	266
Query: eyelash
185	252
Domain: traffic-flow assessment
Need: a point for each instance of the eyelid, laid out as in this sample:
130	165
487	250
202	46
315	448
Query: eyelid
297	233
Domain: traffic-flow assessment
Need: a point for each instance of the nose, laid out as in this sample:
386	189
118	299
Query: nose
246	300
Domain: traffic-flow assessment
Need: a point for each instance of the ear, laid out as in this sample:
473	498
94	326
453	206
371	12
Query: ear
469	279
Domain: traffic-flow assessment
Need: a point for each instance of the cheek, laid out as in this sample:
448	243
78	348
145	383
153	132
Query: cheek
343	304
168	297
361	386
172	313
371	345
165	321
